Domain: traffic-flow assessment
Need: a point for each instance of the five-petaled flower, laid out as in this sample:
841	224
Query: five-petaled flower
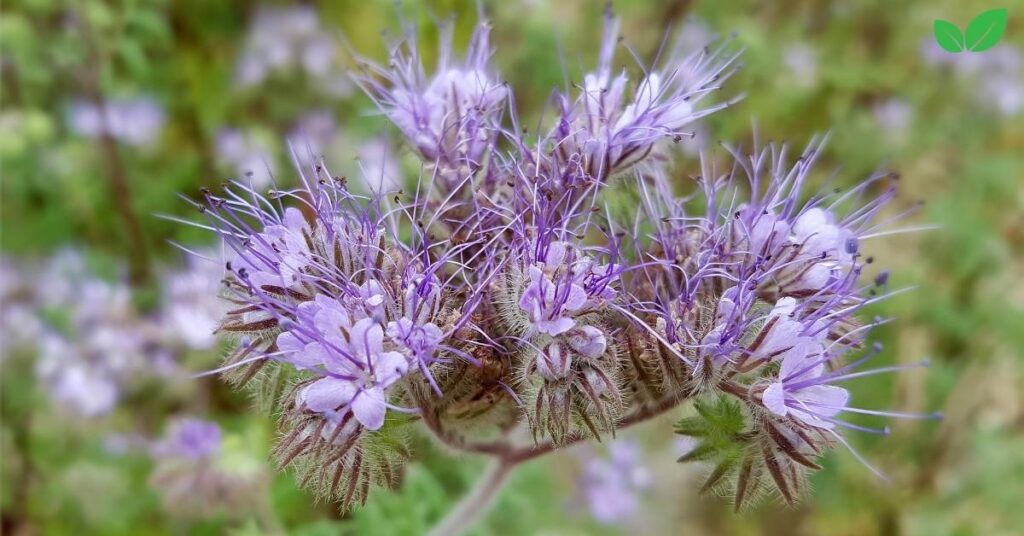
802	390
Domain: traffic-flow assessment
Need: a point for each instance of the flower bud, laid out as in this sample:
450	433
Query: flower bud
588	341
553	362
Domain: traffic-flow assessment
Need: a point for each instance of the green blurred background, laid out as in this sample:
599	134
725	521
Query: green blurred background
221	86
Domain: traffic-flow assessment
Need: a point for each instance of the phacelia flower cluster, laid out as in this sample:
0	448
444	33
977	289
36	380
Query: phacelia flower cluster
500	291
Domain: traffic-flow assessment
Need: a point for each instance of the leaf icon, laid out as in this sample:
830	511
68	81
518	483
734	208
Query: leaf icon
984	31
949	36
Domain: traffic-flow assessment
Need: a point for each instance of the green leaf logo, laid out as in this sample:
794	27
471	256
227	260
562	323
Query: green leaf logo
983	32
948	36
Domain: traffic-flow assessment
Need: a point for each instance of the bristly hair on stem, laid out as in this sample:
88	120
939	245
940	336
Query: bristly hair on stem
500	308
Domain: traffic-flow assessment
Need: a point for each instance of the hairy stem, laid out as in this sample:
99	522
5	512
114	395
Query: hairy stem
506	457
501	449
477	502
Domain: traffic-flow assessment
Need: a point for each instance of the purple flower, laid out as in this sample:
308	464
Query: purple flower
588	341
285	242
357	371
549	305
773	279
421	340
558	288
802	390
780	333
191	477
554	362
334	296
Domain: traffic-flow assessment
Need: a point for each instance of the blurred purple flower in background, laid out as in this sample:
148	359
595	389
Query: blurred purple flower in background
192	308
198	473
63	271
89	341
694	34
20	326
998	73
802	62
103	346
1006	91
893	115
247	156
120	444
288	40
612	486
311	136
190	438
379	165
88	389
135	121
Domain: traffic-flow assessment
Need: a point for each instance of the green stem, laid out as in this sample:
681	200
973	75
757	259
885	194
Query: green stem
116	175
478	501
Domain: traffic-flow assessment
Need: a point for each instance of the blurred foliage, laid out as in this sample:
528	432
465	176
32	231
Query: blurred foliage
955	151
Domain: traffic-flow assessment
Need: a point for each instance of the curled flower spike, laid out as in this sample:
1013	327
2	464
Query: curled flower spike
612	129
452	117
